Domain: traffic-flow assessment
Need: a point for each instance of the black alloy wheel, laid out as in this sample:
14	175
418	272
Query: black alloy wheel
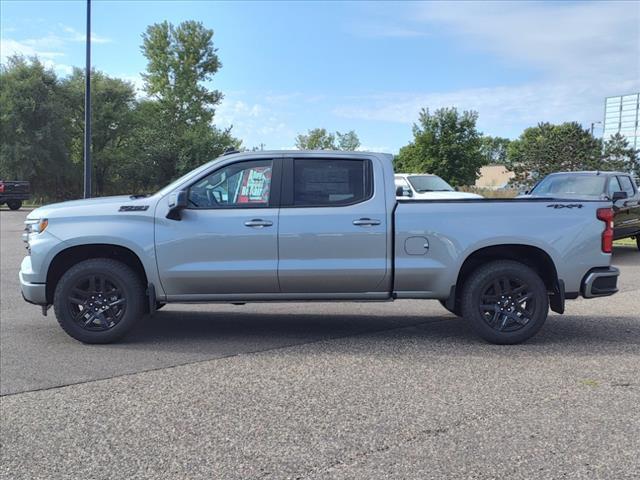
96	302
505	301
507	304
99	300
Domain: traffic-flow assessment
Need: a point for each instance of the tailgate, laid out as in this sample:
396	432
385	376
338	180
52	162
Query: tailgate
13	186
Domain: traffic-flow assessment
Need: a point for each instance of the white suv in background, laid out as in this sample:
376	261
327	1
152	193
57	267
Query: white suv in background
424	186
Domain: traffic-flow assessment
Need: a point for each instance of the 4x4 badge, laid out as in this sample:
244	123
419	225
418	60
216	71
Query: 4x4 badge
561	205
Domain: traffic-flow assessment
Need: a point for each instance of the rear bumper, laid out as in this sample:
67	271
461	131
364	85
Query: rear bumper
600	282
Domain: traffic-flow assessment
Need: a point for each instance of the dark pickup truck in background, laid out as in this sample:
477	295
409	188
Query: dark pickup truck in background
14	192
619	187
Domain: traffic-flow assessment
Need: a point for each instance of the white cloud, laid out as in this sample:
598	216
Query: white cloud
9	47
255	123
563	39
74	35
582	52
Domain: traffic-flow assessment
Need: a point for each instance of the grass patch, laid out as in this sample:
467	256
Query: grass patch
625	242
590	383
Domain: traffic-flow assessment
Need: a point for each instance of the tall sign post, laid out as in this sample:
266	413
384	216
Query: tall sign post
87	110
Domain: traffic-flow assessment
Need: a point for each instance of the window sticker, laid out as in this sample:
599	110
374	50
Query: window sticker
255	185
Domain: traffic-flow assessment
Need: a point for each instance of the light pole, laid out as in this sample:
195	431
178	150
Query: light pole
87	110
593	124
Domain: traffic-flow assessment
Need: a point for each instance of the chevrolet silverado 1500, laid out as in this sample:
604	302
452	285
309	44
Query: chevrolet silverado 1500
313	225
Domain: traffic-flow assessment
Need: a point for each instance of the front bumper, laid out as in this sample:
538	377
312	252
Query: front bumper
31	292
600	282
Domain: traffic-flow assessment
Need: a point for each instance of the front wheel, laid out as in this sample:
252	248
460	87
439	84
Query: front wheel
99	300
506	302
14	204
638	241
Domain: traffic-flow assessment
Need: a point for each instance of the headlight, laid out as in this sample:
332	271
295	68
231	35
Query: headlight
35	226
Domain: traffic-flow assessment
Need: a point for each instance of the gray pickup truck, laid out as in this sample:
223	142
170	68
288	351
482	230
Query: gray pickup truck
313	225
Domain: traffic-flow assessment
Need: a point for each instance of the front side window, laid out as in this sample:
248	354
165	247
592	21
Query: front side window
243	184
614	186
627	186
330	182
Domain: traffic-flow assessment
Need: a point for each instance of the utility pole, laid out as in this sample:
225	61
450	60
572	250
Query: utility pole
87	110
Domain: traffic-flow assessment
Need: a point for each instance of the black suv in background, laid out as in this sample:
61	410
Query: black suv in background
618	187
14	192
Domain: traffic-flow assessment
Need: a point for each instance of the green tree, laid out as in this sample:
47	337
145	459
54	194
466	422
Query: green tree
619	155
494	150
548	148
316	139
113	103
179	60
34	129
347	141
445	143
321	139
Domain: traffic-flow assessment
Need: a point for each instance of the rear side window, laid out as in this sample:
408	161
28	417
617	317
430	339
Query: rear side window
319	183
627	186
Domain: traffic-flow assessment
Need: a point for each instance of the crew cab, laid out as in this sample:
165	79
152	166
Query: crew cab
313	225
619	187
14	192
425	186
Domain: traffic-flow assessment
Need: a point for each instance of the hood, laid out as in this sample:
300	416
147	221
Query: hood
442	196
88	206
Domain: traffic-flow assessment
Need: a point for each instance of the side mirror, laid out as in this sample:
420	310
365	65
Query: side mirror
619	196
403	191
177	201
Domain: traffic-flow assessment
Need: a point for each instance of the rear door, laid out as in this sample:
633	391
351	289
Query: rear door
333	227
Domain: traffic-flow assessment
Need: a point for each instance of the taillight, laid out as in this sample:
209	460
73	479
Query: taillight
606	215
1	187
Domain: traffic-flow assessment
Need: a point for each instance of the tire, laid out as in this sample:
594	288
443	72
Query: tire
456	311
506	302
638	241
100	285
14	204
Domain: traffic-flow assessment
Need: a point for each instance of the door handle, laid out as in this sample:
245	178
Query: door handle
258	223
366	222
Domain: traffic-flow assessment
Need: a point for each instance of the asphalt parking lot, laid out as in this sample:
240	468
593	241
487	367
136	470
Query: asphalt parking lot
313	391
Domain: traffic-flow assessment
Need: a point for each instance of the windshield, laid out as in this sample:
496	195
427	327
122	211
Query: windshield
429	183
553	185
192	173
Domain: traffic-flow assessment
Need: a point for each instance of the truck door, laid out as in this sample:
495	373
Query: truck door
333	227
227	239
627	211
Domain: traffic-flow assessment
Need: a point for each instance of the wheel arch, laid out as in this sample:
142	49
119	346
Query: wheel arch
529	255
70	256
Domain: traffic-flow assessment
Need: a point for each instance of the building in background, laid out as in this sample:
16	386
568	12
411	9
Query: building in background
621	115
494	177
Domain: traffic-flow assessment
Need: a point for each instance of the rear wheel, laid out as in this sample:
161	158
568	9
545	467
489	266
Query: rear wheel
98	300
14	204
506	302
638	241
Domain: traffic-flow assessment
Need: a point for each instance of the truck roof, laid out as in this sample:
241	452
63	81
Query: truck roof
591	172
318	153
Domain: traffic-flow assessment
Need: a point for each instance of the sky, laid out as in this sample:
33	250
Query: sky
288	67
